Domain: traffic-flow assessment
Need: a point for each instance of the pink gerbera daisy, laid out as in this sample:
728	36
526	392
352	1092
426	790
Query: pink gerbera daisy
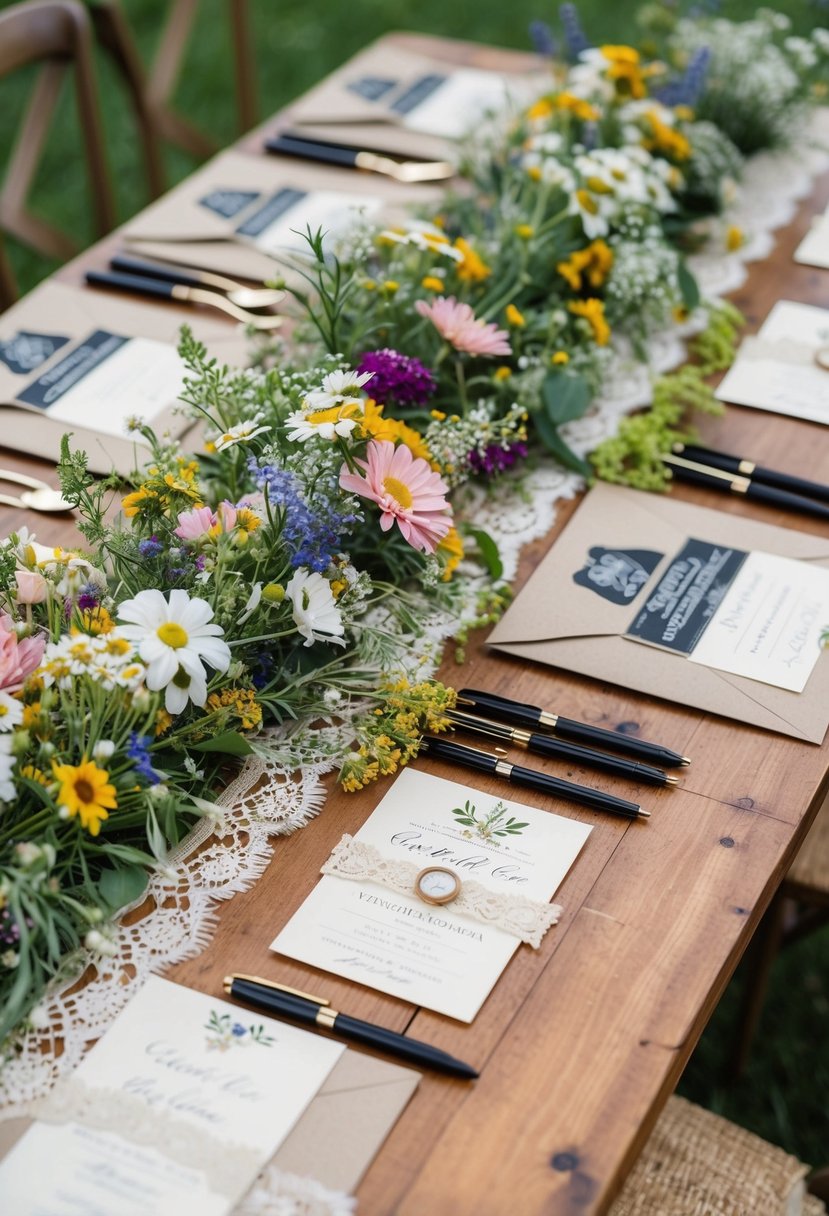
406	489
457	323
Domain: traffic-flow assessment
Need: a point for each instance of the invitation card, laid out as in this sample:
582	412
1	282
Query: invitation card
731	609
813	250
782	368
175	1110
433	955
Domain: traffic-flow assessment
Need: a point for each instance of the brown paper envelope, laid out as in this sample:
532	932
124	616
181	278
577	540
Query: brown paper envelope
56	316
372	100
188	224
558	622
337	1138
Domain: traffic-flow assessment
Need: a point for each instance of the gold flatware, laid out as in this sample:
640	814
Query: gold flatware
144	285
173	272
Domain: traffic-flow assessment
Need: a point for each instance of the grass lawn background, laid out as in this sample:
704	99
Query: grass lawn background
783	1095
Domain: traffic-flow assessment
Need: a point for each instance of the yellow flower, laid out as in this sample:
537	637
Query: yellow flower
542	108
390	286
247	521
514	317
624	71
534	173
376	426
163	721
241	701
34	774
577	106
560	358
85	790
472	269
593	263
96	621
593	312
338	586
438	415
133	503
525	231
684	113
734	238
210	447
451	548
665	138
501	373
432	283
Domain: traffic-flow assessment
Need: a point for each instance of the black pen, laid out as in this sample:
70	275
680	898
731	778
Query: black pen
487	762
295	1006
718	479
747	468
557	749
488	705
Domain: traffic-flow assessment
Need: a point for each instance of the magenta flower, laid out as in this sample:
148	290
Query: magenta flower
406	490
457	323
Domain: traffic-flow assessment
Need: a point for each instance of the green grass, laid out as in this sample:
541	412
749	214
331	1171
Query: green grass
783	1094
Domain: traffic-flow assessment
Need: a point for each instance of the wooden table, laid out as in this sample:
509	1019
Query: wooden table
580	1042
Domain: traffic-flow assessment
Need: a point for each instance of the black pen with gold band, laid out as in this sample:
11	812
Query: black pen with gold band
531	778
557	749
712	478
741	467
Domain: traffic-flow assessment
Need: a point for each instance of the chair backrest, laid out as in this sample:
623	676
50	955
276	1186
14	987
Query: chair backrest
57	34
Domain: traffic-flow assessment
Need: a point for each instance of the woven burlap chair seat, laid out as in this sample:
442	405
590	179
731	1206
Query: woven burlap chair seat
699	1164
813	1206
810	867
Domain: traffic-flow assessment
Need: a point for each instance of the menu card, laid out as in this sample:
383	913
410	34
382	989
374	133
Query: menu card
175	1110
431	955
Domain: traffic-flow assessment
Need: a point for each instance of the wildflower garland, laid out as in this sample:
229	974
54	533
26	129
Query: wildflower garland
287	572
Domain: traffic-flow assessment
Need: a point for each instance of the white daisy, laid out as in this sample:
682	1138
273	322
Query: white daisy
11	712
324	423
241	433
337	388
315	612
7	762
172	638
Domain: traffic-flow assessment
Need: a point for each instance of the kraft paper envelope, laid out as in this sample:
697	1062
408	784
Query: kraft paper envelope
67	365
224	217
340	1133
565	623
409	104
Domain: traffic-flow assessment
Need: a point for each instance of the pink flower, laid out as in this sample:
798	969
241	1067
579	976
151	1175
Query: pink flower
406	489
226	516
192	525
31	587
457	323
18	657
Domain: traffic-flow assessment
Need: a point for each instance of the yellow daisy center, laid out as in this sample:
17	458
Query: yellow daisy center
399	491
172	635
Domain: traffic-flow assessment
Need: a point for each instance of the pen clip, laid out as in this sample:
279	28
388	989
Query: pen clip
256	979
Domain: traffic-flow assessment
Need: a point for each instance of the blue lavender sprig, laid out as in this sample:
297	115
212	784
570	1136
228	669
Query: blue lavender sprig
574	35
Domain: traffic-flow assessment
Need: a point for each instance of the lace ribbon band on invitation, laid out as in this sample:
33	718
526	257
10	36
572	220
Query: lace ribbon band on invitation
527	919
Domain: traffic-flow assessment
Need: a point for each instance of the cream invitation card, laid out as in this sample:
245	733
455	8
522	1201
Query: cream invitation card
427	954
813	250
778	370
175	1110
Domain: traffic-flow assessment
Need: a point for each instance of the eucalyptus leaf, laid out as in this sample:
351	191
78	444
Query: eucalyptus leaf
688	287
122	885
551	439
488	551
565	395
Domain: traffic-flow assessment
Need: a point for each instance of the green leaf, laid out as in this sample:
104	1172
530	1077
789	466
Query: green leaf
551	439
565	395
688	287
229	744
122	885
488	551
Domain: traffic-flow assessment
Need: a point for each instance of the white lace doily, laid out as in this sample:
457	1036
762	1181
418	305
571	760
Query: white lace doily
270	798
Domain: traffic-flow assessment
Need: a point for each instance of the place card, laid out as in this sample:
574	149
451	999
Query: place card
175	1110
426	954
277	226
778	370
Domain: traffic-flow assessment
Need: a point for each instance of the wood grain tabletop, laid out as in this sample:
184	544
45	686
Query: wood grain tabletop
580	1042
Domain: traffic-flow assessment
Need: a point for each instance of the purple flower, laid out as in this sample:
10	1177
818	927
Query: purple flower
88	597
574	35
138	750
238	1030
151	548
312	536
542	39
495	459
687	90
397	379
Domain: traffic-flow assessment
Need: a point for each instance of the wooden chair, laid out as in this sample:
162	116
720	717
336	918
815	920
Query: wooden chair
800	906
56	33
699	1164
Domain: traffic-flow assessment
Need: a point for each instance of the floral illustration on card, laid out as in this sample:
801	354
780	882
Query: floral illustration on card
223	1033
487	826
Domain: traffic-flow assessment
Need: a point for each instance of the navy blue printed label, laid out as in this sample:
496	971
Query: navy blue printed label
417	93
274	208
228	203
680	607
372	88
617	575
71	369
25	352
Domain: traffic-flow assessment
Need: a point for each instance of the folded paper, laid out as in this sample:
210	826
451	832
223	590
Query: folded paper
579	611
